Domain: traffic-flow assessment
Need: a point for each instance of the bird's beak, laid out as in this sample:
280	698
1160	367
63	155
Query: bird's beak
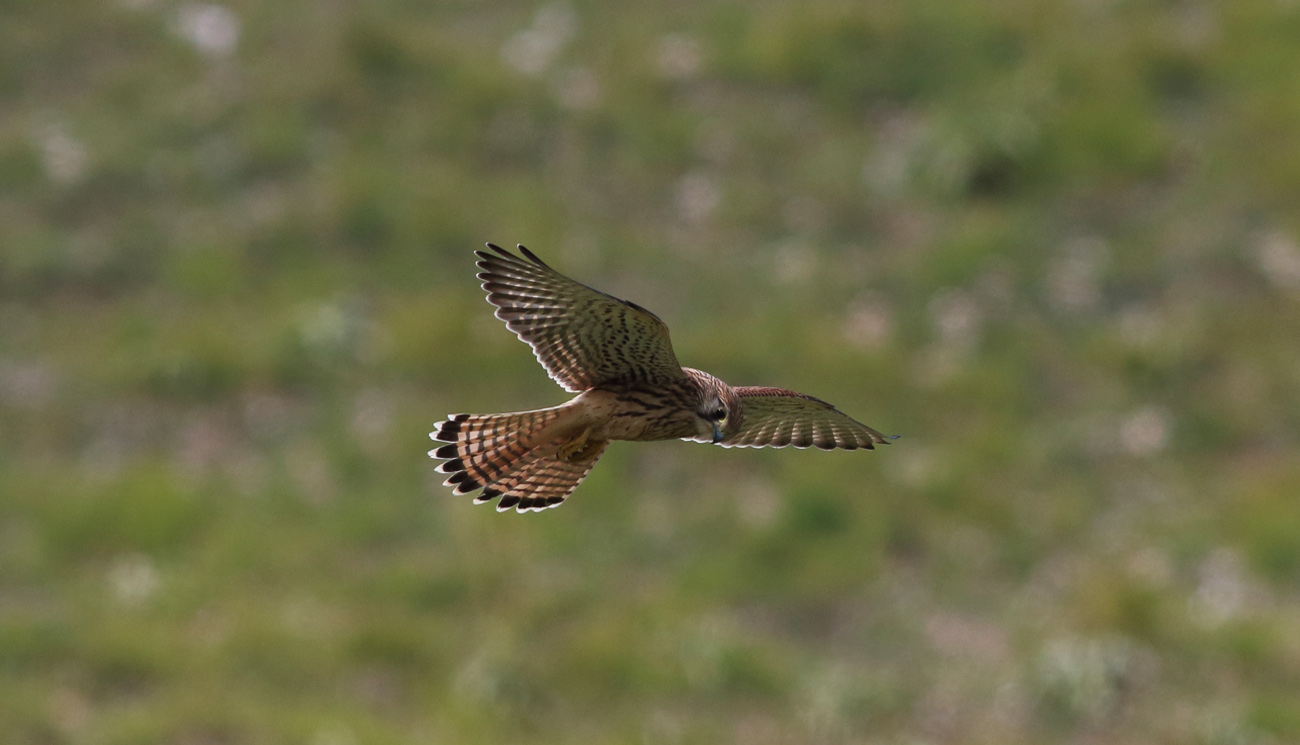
717	434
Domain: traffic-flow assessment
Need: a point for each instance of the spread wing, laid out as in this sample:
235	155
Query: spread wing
775	417
582	336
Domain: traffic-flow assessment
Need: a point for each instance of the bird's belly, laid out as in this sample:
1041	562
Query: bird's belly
636	416
633	427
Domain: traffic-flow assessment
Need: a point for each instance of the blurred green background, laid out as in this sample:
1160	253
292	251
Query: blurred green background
1052	244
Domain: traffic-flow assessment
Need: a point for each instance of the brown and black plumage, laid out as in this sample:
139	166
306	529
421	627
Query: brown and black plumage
617	357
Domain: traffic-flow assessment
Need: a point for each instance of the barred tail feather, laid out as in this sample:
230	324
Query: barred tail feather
484	448
543	481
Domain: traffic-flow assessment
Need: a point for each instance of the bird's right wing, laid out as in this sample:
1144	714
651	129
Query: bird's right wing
776	417
582	336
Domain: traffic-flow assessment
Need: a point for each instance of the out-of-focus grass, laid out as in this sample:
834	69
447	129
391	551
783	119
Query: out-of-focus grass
1053	245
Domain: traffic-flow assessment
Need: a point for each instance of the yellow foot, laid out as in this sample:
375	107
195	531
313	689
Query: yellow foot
574	447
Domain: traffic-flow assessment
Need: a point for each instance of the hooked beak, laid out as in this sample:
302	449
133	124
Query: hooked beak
717	434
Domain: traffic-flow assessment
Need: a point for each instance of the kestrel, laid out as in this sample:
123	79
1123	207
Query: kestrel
616	356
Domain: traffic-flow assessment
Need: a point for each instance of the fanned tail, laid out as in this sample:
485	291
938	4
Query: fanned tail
526	458
486	447
543	479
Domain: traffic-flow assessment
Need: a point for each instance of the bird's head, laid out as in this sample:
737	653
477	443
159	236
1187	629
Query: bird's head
719	412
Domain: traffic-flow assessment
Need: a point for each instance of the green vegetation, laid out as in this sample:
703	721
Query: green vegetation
1056	246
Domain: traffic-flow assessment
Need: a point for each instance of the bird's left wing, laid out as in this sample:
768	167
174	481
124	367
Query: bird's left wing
776	417
582	336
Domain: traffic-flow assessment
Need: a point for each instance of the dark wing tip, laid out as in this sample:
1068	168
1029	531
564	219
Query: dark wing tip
485	259
531	256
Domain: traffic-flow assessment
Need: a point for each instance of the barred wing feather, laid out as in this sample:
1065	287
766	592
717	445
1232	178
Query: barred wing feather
775	417
581	336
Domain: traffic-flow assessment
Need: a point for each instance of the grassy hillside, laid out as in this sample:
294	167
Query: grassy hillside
1055	246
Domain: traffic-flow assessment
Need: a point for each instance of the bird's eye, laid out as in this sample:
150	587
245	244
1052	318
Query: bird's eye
719	414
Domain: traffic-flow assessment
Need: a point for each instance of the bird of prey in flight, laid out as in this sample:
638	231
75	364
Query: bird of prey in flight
617	357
